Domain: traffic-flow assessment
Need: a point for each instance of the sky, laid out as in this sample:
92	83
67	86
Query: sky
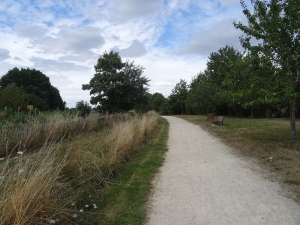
63	39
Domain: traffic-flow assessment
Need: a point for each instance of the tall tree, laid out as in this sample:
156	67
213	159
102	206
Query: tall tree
158	102
200	98
221	64
276	24
117	86
37	85
180	93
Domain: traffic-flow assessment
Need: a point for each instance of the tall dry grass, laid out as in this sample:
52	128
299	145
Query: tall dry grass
34	186
98	156
58	126
29	187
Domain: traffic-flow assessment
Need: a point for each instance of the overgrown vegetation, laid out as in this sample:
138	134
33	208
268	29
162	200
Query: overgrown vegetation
35	131
59	181
264	139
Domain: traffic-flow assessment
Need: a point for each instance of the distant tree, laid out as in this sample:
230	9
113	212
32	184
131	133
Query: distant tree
221	64
117	86
12	96
180	94
200	98
158	103
253	83
36	85
276	24
83	108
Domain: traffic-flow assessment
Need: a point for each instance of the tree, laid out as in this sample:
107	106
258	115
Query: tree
36	85
180	94
117	86
12	96
251	80
221	64
158	103
276	23
83	108
200	98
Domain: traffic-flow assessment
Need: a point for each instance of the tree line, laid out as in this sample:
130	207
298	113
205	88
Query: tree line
22	87
262	80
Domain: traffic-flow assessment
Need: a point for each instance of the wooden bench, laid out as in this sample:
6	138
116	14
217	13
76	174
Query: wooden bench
219	120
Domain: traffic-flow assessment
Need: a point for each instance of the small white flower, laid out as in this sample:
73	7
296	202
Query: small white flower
271	159
95	206
21	171
86	206
20	153
52	221
81	210
75	215
1	159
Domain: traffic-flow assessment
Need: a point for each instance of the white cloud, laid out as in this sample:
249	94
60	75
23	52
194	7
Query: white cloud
136	49
30	31
132	9
54	65
70	40
230	2
211	40
4	54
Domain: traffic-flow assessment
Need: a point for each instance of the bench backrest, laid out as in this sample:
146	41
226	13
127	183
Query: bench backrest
221	118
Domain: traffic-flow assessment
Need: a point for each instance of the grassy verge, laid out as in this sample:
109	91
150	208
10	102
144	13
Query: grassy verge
64	183
265	139
123	201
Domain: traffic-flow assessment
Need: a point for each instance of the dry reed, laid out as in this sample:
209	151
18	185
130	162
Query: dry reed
28	187
32	184
33	134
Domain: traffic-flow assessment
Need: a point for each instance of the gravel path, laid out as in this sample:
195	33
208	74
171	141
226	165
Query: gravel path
203	182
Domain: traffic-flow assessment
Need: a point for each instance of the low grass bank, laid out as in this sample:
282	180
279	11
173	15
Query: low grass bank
61	182
123	201
265	139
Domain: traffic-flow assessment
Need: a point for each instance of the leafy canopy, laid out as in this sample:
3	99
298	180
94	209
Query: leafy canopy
117	86
37	87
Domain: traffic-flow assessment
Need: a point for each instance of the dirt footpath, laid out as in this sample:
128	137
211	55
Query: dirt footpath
203	182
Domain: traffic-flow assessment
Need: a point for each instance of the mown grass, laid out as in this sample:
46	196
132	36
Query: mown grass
60	183
265	139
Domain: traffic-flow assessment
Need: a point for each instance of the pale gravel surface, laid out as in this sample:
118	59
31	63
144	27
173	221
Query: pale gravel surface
202	181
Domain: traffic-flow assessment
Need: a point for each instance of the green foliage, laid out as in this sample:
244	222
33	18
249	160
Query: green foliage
117	86
83	108
158	103
212	89
276	24
36	85
12	96
177	99
200	99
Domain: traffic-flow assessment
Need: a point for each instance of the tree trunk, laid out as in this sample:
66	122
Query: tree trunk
181	108
251	111
292	122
